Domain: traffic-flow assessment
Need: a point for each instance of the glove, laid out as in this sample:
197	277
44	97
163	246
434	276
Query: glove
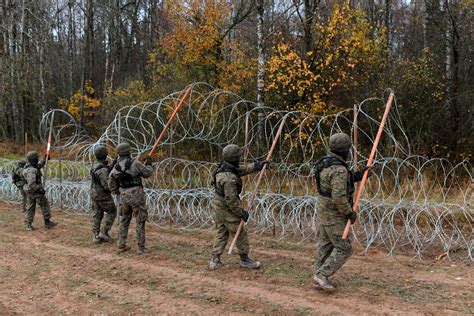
352	217
245	216
41	191
367	168
148	162
259	165
46	157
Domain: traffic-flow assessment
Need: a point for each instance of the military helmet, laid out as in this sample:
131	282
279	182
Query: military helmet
123	149
231	153
100	152
340	143
22	163
32	157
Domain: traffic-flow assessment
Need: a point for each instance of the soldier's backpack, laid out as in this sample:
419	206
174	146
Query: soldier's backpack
17	177
95	178
126	180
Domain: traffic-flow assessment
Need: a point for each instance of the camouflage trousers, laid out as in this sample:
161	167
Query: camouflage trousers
31	200
23	199
331	251
226	229
126	213
98	210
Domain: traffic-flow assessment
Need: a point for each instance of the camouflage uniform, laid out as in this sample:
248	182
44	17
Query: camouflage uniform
336	187
228	207
35	192
101	196
19	182
125	178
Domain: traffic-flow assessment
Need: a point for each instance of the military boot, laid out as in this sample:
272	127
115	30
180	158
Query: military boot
142	250
104	236
246	262
96	239
123	248
49	224
323	282
29	227
215	263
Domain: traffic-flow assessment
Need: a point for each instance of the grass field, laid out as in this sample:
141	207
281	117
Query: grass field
60	271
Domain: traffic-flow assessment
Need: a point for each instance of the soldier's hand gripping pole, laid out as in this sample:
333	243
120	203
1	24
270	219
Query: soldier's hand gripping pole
259	179
170	119
369	162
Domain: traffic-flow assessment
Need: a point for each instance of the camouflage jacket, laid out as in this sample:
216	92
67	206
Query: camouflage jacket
33	179
136	171
227	188
17	177
100	181
339	182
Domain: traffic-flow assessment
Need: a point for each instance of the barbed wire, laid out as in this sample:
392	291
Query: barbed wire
412	204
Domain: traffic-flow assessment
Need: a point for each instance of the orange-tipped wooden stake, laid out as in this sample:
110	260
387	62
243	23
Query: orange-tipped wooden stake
260	176
369	162
173	114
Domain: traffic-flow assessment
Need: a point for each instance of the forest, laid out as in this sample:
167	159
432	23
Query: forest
92	57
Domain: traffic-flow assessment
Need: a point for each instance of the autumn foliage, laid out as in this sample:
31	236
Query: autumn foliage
345	59
200	47
92	58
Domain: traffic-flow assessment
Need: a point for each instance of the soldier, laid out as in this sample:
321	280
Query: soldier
126	179
228	207
335	184
35	192
101	196
19	181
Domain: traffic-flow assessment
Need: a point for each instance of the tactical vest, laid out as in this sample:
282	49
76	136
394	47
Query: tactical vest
126	180
96	179
327	162
227	168
16	175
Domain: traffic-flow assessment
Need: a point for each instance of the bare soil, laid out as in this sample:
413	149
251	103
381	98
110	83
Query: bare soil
60	271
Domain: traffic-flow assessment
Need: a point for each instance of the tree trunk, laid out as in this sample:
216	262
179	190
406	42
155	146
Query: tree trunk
88	55
260	70
71	34
452	76
388	28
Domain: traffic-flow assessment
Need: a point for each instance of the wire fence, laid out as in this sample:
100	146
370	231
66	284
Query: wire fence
412	204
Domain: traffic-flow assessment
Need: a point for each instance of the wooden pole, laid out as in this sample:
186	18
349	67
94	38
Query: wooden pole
119	128
26	143
369	162
119	140
171	173
356	137
246	149
260	176
60	181
173	114
48	148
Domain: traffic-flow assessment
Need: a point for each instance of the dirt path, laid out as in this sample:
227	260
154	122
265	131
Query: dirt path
59	271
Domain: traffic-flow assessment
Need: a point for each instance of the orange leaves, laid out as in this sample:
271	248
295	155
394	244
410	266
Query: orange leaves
198	47
90	104
345	56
